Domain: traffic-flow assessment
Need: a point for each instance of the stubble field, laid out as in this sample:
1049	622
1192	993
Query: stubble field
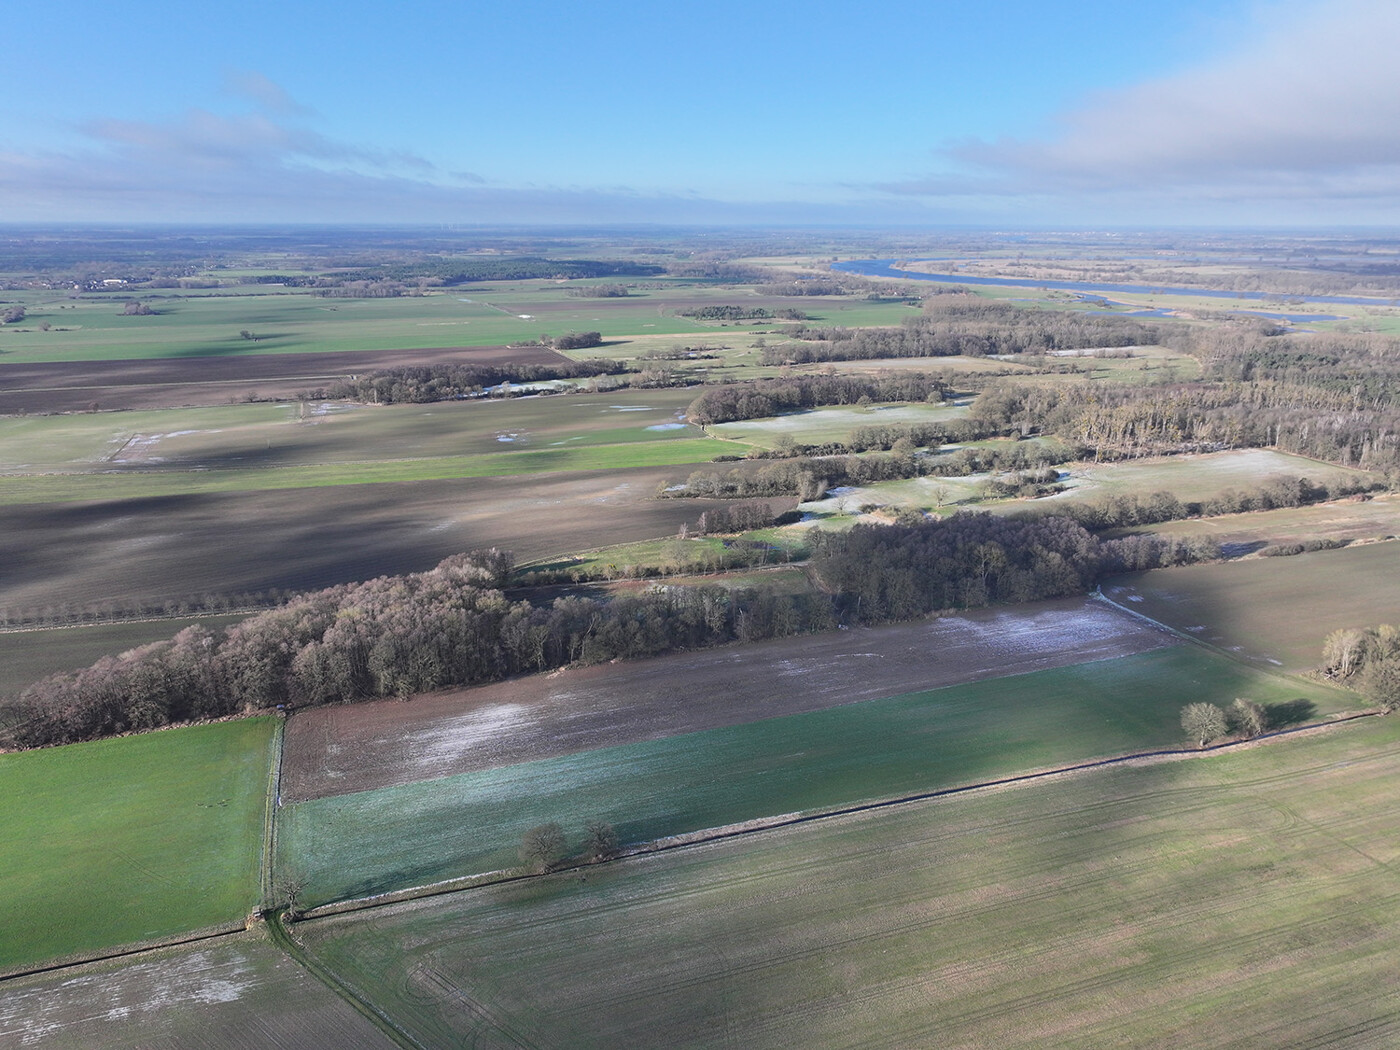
1273	611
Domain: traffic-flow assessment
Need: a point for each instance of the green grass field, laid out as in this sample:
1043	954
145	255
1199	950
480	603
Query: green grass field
131	839
374	841
210	323
67	488
1190	478
1245	899
1274	610
281	435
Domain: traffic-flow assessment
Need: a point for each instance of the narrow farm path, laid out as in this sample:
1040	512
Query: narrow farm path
289	944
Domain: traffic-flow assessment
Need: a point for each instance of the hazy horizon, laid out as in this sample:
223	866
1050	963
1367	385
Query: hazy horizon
1241	113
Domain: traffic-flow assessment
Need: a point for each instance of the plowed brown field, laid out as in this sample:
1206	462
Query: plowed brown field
339	750
164	383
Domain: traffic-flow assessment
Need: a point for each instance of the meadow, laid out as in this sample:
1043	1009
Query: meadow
1190	478
1275	611
131	839
285	321
1243	899
374	841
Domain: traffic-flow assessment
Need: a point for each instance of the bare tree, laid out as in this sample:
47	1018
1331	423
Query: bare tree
1203	722
1246	717
600	842
542	847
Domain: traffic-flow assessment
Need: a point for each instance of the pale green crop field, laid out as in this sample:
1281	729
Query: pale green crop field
396	837
1244	899
1276	611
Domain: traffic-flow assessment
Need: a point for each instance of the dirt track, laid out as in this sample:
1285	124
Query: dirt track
339	750
77	386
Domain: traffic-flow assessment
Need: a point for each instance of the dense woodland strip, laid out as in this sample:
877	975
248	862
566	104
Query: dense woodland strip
454	626
952	325
422	384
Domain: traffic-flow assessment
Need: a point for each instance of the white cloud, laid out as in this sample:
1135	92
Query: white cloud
1305	110
270	165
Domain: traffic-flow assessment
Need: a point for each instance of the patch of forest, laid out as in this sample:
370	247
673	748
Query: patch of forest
453	625
952	326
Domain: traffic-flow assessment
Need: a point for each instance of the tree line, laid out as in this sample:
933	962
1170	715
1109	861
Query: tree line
449	382
454	625
955	326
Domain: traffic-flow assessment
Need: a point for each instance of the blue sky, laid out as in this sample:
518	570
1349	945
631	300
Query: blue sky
1238	112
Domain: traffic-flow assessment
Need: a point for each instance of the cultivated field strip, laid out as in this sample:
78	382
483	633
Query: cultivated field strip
1273	611
179	547
339	750
393	838
1200	903
239	992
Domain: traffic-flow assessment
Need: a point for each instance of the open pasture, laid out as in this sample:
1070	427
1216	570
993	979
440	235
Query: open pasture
1244	899
286	322
1197	477
817	425
145	485
1190	478
131	839
178	547
323	432
83	386
337	750
1374	518
230	994
1274	611
412	834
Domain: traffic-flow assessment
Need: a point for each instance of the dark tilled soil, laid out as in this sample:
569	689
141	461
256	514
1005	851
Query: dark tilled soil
81	386
339	750
177	547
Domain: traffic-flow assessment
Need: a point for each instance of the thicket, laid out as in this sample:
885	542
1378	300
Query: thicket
1368	657
577	340
730	312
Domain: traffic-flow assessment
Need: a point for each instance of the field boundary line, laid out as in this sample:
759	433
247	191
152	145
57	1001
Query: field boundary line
68	962
758	825
1229	654
271	803
297	952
